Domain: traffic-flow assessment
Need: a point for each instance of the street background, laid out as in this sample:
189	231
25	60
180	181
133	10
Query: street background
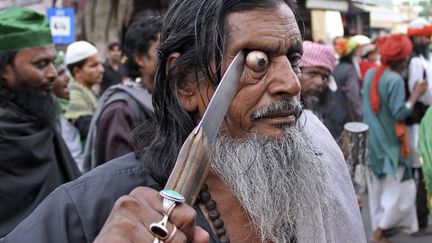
397	238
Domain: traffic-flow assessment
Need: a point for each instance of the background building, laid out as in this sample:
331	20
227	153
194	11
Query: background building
102	22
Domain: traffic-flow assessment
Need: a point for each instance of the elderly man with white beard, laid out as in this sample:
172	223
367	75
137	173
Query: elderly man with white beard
276	173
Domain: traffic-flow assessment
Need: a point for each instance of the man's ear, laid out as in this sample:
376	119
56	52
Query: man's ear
189	97
187	92
8	76
139	59
171	59
75	72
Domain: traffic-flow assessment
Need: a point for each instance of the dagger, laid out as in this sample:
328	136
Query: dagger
191	167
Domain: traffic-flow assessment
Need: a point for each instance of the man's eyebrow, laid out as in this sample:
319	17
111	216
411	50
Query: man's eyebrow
43	58
297	46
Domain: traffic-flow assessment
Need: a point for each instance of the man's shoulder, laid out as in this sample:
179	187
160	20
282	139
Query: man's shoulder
130	93
11	115
312	123
94	194
320	136
415	62
344	66
121	174
392	78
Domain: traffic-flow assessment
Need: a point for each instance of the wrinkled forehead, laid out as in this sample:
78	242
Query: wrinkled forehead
274	28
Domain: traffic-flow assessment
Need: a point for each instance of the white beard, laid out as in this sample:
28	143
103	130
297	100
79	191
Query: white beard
282	184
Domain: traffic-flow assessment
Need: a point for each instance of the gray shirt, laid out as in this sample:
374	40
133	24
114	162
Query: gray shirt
76	211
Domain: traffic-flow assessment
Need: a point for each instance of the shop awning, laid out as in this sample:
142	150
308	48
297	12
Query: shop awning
380	16
335	5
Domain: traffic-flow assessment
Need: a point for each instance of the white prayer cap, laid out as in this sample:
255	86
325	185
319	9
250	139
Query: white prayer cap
362	39
79	51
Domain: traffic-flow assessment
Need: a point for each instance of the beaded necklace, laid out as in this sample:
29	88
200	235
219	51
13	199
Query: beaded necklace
213	214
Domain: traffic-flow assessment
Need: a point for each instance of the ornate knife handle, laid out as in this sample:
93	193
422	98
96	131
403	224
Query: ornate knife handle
191	167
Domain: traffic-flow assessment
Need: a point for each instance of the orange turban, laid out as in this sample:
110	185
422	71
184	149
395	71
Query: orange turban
344	46
394	47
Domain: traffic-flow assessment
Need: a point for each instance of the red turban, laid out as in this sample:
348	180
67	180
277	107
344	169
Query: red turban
419	27
394	47
425	31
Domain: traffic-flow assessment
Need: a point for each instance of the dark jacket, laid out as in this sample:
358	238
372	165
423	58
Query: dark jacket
76	211
34	160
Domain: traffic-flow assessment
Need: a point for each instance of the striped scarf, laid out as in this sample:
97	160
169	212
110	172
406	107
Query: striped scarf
82	101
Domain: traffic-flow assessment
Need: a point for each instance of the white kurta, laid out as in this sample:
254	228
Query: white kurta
392	202
418	67
72	139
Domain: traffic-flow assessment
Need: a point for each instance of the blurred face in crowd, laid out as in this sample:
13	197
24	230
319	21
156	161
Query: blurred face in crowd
61	84
314	80
90	73
115	54
149	63
31	78
374	56
423	40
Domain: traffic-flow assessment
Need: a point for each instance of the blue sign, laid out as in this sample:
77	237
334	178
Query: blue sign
62	24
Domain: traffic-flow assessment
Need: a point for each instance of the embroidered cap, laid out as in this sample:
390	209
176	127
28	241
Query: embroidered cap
23	28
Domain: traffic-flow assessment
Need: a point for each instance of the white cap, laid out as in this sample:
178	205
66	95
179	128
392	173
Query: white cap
79	51
418	23
366	49
362	39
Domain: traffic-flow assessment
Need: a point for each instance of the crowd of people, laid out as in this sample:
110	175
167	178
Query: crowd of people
86	146
384	84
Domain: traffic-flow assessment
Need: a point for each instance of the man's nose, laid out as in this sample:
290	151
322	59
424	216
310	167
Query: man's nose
101	68
283	79
51	72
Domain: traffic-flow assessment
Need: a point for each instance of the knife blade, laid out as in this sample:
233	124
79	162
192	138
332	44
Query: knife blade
191	167
222	98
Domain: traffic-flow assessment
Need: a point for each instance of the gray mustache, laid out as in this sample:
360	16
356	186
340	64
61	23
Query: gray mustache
279	106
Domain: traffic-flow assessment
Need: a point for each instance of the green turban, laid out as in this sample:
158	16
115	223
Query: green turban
58	59
23	28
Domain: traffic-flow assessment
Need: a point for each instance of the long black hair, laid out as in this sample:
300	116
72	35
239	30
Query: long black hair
6	58
198	31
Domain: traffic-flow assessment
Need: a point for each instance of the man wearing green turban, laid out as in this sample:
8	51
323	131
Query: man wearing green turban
34	159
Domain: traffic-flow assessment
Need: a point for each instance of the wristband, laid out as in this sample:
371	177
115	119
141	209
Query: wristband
408	105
